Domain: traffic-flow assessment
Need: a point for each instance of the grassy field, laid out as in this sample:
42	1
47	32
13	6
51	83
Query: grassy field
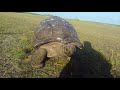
100	57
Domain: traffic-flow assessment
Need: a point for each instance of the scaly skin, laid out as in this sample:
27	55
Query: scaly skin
54	50
37	59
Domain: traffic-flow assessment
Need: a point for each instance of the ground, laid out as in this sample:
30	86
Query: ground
100	57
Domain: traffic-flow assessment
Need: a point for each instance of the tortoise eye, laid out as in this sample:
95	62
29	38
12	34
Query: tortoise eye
66	48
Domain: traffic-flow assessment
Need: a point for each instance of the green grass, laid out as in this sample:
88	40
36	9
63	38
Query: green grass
101	59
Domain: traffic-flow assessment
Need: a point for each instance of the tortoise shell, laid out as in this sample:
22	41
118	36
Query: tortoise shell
54	29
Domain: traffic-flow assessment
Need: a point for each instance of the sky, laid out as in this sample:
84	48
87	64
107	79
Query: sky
103	17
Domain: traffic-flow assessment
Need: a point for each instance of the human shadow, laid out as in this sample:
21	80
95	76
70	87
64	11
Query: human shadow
87	63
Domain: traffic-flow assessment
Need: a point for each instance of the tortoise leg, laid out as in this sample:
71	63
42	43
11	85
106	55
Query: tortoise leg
38	58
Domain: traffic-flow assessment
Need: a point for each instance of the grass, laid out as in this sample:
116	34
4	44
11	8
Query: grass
99	58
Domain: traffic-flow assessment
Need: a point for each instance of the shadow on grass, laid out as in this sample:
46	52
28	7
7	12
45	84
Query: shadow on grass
87	63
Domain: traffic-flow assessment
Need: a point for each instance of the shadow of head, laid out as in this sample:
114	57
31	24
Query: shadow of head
87	63
87	45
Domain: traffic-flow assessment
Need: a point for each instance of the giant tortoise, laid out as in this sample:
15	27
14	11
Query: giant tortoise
54	38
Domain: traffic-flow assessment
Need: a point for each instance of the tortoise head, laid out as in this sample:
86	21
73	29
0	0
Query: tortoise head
69	49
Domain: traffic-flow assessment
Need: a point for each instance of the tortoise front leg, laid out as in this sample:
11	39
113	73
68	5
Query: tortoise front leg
38	58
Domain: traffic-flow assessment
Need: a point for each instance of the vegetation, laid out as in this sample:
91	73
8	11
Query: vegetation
100	57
